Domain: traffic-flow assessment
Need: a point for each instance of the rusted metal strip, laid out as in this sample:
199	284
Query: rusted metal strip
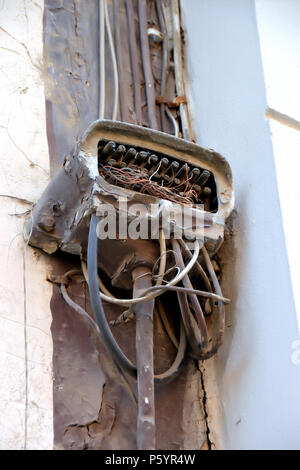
134	64
144	359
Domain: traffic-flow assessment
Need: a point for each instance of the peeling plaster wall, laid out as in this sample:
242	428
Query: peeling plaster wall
24	172
71	35
253	386
89	417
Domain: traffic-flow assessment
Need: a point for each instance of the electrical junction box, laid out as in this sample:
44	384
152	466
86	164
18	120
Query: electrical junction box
103	170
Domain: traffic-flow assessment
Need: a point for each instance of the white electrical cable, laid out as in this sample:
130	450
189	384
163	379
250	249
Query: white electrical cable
103	288
78	309
152	295
163	258
101	59
114	62
178	68
174	122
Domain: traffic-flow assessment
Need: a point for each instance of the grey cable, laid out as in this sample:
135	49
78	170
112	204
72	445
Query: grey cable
114	62
165	67
179	69
101	60
149	81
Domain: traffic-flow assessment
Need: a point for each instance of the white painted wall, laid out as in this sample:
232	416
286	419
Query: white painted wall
259	386
279	34
23	138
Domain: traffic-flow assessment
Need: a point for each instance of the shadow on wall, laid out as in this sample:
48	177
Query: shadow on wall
232	262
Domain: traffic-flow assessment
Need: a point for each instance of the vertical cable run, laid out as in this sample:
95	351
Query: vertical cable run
149	82
101	60
134	65
114	62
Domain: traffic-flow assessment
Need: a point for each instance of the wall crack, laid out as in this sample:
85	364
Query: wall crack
204	405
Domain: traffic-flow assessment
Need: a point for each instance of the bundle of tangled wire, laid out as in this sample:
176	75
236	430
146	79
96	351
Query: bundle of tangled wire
140	181
193	328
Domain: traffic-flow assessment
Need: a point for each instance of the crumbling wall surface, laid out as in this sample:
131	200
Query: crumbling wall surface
24	172
93	408
71	53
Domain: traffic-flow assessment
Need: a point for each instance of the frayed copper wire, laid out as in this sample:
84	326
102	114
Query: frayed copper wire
131	177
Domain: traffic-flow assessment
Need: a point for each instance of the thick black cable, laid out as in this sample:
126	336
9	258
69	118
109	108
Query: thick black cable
96	302
106	334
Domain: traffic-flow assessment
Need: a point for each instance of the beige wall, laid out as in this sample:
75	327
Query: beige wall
22	141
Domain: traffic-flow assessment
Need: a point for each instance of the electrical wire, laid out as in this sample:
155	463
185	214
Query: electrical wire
161	272
149	82
177	49
199	269
96	302
114	62
122	88
107	296
151	294
202	293
174	122
189	325
196	331
216	343
160	311
171	373
165	57
162	314
200	350
102	286
196	305
101	59
138	180
163	257
165	67
78	309
188	290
